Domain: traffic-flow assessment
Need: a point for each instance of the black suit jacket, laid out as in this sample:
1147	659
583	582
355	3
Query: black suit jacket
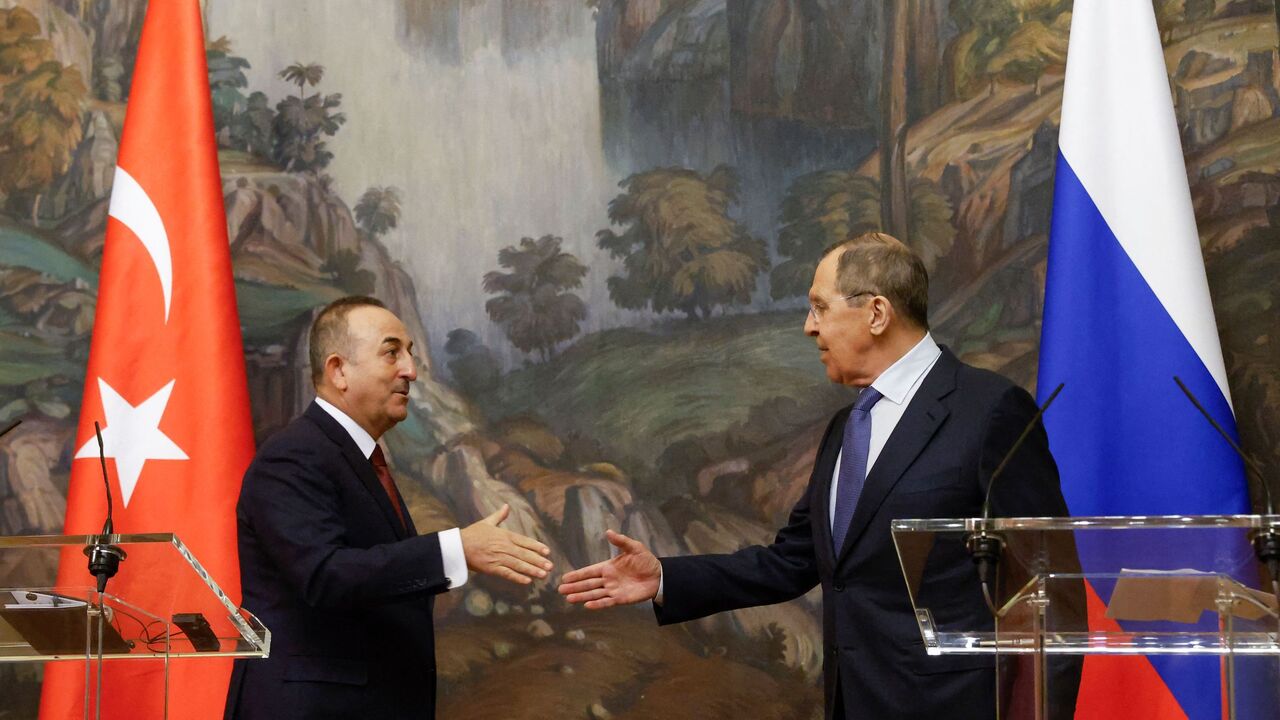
935	464
345	591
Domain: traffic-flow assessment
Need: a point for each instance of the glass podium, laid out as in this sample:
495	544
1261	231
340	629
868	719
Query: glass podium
1070	587
161	605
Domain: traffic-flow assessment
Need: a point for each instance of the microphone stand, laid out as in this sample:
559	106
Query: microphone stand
984	546
104	558
104	563
1266	539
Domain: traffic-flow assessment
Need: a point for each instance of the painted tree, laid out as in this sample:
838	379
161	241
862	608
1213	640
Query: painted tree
21	47
1012	39
680	250
226	82
819	210
40	111
827	207
533	306
303	121
303	74
39	130
251	130
378	210
471	362
1033	48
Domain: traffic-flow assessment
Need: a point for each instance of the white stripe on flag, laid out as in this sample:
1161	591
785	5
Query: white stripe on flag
1120	136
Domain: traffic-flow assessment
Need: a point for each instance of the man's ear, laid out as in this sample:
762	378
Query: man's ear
881	314
335	371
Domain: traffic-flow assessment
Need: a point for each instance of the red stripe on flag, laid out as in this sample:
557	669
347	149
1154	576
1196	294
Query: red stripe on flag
1121	687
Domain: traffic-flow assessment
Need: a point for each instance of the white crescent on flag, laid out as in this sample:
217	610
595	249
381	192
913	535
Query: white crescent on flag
131	206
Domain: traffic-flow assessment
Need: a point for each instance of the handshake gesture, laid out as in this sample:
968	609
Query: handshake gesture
632	576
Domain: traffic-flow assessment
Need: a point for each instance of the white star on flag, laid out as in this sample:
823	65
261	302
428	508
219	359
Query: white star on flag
132	435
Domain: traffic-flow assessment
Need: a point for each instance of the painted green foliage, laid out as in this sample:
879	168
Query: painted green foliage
226	83
681	251
828	207
40	109
532	306
1010	39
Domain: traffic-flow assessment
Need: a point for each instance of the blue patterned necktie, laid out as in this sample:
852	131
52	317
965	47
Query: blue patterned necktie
853	463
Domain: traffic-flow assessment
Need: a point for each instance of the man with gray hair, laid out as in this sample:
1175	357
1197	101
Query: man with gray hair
330	560
921	441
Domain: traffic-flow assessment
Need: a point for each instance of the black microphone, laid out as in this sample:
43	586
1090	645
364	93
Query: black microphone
1266	541
985	547
104	558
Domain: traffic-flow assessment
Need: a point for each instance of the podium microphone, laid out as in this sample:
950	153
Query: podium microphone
985	547
104	558
1266	541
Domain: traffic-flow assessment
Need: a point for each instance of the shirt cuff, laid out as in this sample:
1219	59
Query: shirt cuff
455	561
657	599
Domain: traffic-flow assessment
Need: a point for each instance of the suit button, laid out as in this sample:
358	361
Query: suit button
838	587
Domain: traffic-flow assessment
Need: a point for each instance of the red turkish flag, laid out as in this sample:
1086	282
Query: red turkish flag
166	377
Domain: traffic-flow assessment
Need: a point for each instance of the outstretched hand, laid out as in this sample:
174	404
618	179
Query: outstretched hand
495	551
628	578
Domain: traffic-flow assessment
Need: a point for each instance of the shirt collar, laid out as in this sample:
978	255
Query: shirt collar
363	439
896	382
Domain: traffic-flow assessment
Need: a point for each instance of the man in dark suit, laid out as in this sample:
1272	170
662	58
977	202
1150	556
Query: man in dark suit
921	441
329	558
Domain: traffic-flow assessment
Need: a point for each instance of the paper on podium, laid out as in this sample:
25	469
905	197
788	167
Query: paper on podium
1180	596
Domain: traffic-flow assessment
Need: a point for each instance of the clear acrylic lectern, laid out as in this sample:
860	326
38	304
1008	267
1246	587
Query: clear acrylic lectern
161	605
1168	585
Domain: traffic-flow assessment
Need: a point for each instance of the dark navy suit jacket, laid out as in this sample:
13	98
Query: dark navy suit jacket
345	591
935	464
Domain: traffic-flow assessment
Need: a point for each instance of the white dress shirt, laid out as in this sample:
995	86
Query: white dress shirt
898	384
455	561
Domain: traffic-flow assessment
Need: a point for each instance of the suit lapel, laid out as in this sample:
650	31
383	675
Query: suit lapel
913	432
360	465
823	469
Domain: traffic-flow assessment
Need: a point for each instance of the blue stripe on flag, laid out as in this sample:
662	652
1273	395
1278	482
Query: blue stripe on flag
1126	440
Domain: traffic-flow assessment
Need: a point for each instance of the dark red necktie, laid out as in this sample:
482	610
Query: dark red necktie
384	476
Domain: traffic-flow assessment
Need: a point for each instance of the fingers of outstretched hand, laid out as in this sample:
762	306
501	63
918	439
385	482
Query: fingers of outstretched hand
624	543
530	544
578	586
511	547
524	566
508	574
590	571
508	568
588	596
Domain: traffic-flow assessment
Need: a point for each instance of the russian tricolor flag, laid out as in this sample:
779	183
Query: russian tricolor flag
1126	308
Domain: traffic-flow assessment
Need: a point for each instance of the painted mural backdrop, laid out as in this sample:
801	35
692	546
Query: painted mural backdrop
601	218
